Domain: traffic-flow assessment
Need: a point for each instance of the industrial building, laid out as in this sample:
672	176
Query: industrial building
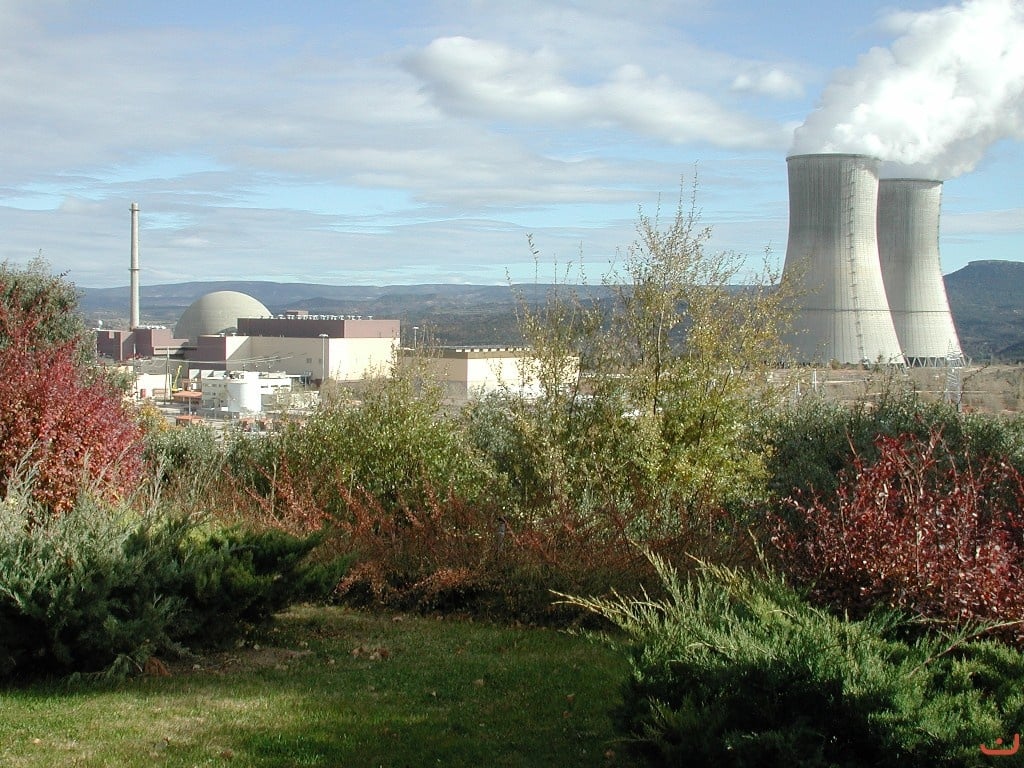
466	373
235	393
232	332
863	261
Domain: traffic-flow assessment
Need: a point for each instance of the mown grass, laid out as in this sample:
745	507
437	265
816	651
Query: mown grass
332	687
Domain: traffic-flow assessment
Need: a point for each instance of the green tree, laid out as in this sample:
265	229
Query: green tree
676	368
51	300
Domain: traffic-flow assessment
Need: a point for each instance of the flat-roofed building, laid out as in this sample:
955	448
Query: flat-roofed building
466	373
144	341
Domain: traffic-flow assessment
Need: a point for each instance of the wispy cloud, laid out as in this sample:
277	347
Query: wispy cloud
325	142
488	79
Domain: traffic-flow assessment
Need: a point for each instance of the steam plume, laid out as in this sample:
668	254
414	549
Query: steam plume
949	87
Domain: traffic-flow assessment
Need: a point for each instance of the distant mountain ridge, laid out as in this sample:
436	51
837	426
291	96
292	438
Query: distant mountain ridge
987	302
451	313
985	297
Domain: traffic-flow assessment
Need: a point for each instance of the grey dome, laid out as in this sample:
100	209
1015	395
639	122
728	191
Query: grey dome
217	312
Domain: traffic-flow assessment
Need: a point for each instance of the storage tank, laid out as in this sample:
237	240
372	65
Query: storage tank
832	262
243	393
908	246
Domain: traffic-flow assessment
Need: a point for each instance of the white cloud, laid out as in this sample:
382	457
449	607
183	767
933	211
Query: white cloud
771	82
490	80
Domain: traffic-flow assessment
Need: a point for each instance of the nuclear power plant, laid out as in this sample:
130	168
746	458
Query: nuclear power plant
228	356
863	261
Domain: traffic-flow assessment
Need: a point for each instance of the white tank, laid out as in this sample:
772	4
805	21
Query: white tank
908	246
832	261
243	394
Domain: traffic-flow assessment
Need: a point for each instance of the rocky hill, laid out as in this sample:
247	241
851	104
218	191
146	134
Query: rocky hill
987	301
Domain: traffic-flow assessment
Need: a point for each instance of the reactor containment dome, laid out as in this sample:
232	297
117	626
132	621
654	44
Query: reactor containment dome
217	313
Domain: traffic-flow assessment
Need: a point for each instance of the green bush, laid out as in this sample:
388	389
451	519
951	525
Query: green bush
809	444
107	586
733	670
397	445
236	577
74	593
182	450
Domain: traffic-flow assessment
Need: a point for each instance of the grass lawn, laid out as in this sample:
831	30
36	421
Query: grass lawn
333	687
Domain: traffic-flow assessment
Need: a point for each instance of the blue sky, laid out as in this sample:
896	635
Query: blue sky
412	142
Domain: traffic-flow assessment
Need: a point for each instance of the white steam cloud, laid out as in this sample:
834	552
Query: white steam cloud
950	86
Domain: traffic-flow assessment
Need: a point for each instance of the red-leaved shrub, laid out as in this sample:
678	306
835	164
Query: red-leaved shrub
57	420
915	530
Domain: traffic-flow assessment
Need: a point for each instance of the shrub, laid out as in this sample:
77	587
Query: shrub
186	462
103	586
233	578
807	446
451	555
915	531
66	423
397	445
735	670
73	595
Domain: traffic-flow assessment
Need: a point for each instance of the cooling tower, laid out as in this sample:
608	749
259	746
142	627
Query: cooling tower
832	262
908	247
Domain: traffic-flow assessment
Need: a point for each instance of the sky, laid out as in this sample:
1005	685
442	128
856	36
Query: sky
423	142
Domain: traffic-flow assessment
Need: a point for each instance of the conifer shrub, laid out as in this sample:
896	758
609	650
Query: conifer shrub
104	586
74	593
234	578
917	529
735	669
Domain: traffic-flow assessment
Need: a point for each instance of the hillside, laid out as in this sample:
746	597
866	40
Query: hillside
986	298
987	301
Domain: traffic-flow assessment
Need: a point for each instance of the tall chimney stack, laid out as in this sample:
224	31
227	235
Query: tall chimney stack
133	321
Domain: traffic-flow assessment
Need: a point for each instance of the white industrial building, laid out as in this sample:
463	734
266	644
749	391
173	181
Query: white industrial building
465	373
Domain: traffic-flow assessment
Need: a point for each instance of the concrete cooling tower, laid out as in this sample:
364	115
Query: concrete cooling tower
908	247
832	261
